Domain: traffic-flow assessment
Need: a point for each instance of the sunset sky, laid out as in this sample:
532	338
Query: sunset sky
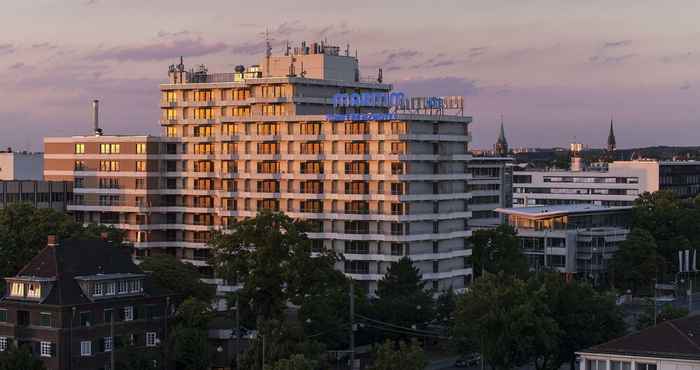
556	69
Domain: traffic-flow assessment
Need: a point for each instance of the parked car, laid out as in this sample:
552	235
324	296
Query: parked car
470	360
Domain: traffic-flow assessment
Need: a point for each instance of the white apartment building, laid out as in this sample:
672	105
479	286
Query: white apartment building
21	166
491	187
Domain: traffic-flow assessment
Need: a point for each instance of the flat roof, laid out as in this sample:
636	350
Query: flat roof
559	210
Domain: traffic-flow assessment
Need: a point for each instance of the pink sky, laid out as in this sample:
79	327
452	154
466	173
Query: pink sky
557	70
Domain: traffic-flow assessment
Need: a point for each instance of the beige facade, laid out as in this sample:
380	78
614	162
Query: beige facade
237	143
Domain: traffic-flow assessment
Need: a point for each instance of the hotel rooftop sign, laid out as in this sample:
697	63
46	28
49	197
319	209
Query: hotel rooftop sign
399	102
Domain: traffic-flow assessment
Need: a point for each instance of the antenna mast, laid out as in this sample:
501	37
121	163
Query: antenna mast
268	51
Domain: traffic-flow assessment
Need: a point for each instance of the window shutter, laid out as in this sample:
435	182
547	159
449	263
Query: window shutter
53	349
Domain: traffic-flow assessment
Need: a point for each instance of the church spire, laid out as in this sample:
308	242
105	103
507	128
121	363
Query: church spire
612	145
501	147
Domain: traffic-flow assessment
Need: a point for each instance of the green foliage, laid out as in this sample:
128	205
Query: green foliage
20	358
667	312
497	250
191	348
273	253
140	360
280	340
389	356
181	278
584	317
445	306
401	296
295	362
193	313
634	265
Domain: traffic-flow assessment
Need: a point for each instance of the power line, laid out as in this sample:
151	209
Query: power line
398	326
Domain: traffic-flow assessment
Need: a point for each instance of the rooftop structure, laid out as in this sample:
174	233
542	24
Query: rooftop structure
21	165
491	187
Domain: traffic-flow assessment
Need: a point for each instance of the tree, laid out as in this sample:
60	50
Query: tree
445	306
272	256
180	278
634	265
188	340
401	296
501	319
295	362
280	340
20	358
389	356
667	312
497	250
584	317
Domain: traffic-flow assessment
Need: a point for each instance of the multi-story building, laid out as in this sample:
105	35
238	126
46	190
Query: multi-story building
40	194
21	166
302	134
491	187
617	184
578	238
83	305
670	345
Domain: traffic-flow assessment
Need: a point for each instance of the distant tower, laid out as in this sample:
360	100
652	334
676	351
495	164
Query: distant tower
501	147
611	138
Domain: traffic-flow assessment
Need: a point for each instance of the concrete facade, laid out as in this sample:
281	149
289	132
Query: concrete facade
21	166
491	187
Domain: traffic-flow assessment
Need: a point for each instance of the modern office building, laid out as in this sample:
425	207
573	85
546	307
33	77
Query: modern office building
670	345
21	166
575	239
40	194
617	184
491	187
380	176
83	305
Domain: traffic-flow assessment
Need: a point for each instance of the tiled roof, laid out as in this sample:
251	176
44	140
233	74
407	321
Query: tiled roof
73	258
679	339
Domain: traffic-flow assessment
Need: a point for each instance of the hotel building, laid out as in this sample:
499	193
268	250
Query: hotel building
376	187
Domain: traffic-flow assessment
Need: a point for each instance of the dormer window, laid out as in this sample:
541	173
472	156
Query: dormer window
17	289
34	290
109	288
31	288
123	286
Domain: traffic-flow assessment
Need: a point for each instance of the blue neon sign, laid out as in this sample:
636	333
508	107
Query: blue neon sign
362	117
394	99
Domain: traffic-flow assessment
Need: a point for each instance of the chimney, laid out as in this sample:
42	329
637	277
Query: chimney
96	117
52	241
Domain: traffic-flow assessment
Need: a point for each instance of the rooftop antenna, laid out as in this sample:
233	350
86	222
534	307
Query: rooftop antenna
303	72
288	48
379	76
96	117
268	51
347	49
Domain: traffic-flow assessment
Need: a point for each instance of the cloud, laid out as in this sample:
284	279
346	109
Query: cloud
249	48
7	49
391	57
92	2
676	58
605	59
685	86
166	34
438	86
44	45
18	65
476	52
616	44
160	50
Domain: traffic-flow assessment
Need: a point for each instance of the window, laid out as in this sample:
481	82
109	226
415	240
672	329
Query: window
86	348
3	315
396	188
110	148
397	168
109	166
310	128
171	113
109	288
128	313
396	249
122	287
45	319
170	96
17	289
620	365
22	318
45	349
141	166
202	95
108	342
3	344
151	339
640	366
34	290
595	365
135	286
311	167
107	315
141	148
79	166
171	131
79	148
85	318
313	147
356	247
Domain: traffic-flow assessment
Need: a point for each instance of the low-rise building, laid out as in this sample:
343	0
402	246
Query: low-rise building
21	165
83	305
670	345
574	239
40	194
